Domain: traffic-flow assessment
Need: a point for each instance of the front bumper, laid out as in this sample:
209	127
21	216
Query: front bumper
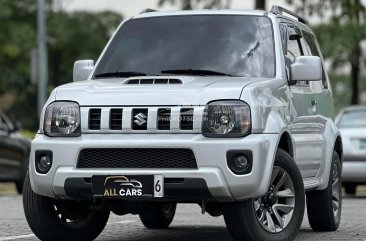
210	153
354	169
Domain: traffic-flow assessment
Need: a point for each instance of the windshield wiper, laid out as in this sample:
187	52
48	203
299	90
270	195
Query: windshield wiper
195	72
120	74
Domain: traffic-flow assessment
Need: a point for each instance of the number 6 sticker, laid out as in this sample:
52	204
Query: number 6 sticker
158	186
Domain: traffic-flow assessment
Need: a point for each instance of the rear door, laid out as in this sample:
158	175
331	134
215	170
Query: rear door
304	120
323	93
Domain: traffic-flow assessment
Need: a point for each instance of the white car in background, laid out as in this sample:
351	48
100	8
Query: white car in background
352	124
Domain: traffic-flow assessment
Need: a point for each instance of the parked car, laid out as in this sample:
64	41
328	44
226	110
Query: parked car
351	121
228	109
14	153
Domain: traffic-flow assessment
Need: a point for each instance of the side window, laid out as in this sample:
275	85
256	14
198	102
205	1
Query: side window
294	49
313	49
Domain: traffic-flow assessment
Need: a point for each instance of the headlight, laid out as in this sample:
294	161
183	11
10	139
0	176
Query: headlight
62	119
226	119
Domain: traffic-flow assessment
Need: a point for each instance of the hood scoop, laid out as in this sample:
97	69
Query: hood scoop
134	81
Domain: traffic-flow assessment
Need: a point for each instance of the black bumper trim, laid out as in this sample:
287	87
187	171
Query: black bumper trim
182	189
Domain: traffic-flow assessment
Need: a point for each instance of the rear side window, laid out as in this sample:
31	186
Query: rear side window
313	49
353	119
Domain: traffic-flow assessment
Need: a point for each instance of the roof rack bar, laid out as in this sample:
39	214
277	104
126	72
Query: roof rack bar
148	10
280	10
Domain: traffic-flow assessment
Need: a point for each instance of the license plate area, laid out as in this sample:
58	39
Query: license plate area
128	186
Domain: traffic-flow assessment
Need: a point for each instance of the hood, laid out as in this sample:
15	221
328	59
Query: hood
197	90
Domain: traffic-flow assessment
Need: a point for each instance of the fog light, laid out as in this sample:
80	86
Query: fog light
239	162
43	162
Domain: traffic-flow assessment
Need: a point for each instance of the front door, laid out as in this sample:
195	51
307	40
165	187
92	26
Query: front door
304	126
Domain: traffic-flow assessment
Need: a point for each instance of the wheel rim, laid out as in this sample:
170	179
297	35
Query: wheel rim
275	209
336	190
74	221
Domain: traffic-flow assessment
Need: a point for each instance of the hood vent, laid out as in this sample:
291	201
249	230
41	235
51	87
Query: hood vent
152	81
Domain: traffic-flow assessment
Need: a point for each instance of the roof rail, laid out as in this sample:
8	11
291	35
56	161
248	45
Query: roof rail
280	10
148	10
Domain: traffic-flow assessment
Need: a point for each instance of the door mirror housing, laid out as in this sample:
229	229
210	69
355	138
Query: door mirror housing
82	69
306	68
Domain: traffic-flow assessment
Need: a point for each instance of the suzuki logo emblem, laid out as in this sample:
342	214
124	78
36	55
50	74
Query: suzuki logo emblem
140	119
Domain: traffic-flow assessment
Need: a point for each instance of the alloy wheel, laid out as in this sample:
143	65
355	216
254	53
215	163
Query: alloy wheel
275	209
336	190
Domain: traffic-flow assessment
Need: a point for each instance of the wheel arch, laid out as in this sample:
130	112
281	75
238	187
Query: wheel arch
338	147
285	143
333	143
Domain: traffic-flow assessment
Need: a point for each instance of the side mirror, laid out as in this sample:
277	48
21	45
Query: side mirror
82	69
306	68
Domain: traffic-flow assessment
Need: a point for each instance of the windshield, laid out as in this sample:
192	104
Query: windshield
354	119
232	45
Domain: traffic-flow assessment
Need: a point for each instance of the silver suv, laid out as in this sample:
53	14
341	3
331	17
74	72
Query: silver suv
231	110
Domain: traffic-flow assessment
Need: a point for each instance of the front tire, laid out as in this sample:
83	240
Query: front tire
277	216
325	206
61	220
157	215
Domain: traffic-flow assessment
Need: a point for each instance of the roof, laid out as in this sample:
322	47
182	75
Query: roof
200	12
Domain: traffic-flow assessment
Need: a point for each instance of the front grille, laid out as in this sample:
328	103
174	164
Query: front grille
115	121
186	118
164	119
136	119
94	119
139	119
137	158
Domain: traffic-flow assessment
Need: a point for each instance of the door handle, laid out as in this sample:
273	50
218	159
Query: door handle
314	102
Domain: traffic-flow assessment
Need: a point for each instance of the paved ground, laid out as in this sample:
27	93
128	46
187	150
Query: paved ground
188	225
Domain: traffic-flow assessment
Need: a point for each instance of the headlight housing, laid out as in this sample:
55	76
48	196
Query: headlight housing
62	118
226	118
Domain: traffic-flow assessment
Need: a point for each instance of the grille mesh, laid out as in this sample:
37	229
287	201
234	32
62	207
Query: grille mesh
137	158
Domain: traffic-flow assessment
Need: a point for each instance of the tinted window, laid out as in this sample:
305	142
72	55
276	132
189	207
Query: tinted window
311	44
236	45
353	119
294	50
